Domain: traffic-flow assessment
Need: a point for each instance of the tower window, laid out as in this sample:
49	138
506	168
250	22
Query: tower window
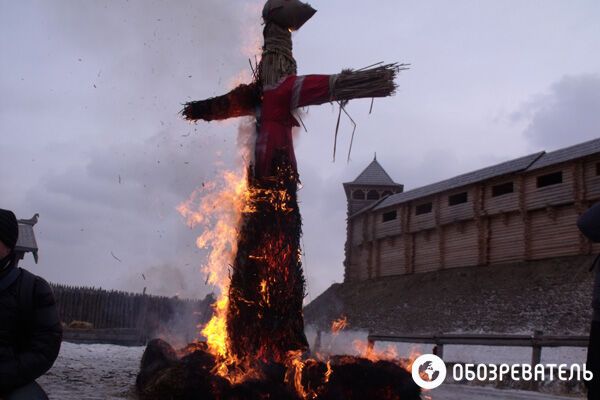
358	195
549	179
424	208
503	188
373	195
390	216
458	198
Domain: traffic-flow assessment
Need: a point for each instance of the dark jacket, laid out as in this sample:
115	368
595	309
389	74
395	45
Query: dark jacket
29	344
589	225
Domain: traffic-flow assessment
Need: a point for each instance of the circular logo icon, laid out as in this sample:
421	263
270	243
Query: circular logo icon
429	371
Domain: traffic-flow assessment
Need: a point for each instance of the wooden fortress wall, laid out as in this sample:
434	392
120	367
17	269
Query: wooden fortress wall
529	223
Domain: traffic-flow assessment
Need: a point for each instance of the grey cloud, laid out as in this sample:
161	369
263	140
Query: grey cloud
88	213
566	114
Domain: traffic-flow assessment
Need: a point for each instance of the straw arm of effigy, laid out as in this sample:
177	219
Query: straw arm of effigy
366	83
241	101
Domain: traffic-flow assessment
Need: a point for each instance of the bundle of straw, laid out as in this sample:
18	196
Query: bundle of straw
366	83
241	101
277	59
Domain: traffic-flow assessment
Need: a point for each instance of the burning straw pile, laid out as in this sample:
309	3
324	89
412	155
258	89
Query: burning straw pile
165	376
266	354
265	320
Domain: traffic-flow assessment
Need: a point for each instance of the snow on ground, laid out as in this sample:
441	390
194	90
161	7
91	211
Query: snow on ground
92	372
107	372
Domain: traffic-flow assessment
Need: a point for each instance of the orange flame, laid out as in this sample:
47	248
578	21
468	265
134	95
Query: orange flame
295	366
408	362
218	209
364	349
328	372
339	325
264	291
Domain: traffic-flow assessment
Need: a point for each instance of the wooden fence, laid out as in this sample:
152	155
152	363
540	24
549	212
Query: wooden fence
536	341
121	310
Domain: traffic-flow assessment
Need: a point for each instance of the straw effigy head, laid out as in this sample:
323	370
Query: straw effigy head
289	14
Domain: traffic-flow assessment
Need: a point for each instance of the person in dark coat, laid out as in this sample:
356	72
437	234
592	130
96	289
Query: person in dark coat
589	225
30	330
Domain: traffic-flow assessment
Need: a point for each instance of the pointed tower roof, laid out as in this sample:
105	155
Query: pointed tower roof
374	174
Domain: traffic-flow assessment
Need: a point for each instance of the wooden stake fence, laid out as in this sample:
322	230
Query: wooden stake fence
115	309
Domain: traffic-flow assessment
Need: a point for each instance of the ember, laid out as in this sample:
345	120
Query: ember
339	325
256	347
162	376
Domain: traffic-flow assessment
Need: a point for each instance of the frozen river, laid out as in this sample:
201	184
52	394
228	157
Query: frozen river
107	372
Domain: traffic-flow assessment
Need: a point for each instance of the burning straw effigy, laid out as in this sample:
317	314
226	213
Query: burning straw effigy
256	347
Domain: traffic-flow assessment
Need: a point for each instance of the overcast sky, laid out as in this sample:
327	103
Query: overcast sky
91	139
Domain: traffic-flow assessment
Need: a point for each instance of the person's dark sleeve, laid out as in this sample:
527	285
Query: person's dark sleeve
589	223
45	338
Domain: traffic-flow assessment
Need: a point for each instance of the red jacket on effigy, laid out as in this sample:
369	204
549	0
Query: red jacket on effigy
276	120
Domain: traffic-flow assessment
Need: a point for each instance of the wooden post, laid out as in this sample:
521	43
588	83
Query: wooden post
438	349
377	258
488	240
536	353
409	255
477	208
440	231
579	194
525	217
412	253
370	260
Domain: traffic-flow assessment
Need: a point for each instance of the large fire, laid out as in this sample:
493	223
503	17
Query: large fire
220	209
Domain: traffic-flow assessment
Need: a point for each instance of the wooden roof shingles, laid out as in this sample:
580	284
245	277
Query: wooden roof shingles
373	175
507	167
567	154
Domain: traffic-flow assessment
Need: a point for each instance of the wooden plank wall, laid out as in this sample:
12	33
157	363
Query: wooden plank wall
392	256
388	228
113	309
427	254
592	179
553	195
529	223
423	221
506	238
591	190
461	245
449	214
502	204
554	232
